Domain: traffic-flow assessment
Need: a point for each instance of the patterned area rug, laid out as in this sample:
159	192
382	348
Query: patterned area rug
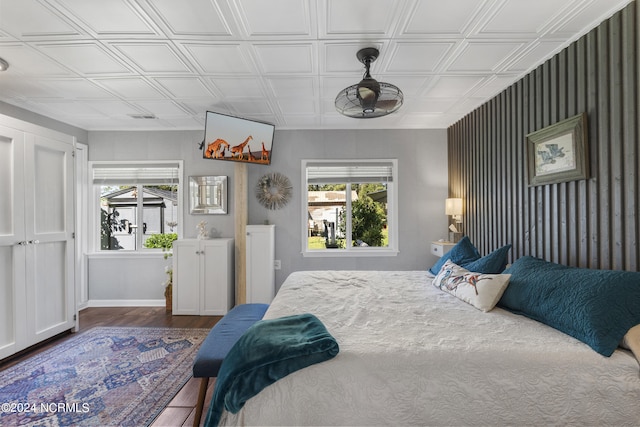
104	376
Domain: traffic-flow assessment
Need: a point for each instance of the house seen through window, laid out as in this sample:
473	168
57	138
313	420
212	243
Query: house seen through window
139	206
350	207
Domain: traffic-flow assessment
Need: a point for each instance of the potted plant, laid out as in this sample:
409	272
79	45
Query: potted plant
164	242
168	288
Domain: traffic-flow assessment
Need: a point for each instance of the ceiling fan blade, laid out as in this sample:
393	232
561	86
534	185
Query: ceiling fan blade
387	104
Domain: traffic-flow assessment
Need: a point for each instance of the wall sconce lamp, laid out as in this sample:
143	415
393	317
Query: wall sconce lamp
453	207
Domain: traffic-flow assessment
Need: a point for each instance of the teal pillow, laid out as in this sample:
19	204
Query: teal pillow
598	307
462	253
494	263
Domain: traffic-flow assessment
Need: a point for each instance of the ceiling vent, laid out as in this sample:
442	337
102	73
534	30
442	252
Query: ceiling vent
143	116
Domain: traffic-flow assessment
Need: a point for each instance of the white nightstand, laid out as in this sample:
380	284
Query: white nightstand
441	248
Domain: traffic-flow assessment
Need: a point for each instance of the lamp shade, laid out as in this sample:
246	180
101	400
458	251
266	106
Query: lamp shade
453	207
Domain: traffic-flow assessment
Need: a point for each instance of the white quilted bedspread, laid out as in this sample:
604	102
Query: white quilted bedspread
411	354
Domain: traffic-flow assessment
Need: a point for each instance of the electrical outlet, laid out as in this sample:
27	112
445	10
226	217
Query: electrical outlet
276	264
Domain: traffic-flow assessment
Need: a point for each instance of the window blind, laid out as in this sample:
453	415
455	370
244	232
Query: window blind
131	173
352	172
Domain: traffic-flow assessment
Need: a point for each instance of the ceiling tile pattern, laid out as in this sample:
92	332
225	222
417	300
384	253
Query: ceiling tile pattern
101	65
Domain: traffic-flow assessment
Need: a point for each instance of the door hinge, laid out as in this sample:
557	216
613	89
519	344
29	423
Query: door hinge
73	235
75	316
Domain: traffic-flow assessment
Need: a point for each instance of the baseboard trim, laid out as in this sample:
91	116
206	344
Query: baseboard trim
126	303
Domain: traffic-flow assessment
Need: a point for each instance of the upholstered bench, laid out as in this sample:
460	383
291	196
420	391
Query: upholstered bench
218	343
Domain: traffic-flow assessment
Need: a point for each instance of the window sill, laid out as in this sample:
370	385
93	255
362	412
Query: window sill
126	254
327	253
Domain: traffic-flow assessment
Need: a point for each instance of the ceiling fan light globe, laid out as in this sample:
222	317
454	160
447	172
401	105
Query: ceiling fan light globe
368	102
364	93
368	87
368	93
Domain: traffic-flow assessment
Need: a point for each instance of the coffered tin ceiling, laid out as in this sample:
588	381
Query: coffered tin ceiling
160	64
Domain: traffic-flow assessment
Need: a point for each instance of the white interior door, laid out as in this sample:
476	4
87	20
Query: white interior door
49	225
12	242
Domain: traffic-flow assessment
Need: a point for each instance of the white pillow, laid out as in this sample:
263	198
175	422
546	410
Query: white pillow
482	291
631	341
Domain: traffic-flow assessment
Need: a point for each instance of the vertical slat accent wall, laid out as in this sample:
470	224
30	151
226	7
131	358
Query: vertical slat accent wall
587	223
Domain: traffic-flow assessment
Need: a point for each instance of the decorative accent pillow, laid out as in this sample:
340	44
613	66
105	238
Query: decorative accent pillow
462	253
494	263
631	341
480	290
598	307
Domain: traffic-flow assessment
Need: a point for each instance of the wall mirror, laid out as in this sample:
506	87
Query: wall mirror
208	194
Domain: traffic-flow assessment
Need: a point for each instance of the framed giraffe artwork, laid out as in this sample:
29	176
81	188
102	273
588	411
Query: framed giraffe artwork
237	139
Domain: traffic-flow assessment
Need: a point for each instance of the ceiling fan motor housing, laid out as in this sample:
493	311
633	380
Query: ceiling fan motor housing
368	88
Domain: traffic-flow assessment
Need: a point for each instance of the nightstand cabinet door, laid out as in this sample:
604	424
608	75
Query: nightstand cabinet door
203	277
186	277
217	294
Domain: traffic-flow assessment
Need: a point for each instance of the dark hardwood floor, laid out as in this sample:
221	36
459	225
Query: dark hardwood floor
181	410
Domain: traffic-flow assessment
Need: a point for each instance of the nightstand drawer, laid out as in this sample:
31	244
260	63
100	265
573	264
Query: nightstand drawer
441	248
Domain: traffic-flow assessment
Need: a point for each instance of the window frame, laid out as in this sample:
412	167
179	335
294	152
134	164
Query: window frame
94	211
392	213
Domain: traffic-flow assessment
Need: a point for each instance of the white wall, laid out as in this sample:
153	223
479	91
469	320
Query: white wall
119	277
140	277
422	181
168	145
422	163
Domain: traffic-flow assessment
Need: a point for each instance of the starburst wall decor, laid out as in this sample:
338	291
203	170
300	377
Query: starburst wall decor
273	190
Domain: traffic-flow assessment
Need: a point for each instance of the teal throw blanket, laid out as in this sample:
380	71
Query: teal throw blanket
267	351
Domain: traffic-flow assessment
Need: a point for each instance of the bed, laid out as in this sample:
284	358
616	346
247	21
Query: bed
411	354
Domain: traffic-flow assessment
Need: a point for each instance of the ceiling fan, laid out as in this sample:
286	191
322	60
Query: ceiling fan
369	98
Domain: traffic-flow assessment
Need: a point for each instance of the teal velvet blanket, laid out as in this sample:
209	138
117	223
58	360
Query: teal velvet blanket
269	350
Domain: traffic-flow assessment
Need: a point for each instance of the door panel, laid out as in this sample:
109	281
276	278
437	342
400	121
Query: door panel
11	186
8	296
49	188
12	241
186	277
213	298
49	228
50	292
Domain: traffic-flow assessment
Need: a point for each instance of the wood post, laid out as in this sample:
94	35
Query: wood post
241	212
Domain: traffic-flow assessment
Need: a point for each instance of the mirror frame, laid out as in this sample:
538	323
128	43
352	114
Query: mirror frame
204	203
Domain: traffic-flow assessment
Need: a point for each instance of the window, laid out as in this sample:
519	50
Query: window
138	204
349	207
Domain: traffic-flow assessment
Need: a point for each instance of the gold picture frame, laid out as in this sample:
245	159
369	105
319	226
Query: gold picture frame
559	153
